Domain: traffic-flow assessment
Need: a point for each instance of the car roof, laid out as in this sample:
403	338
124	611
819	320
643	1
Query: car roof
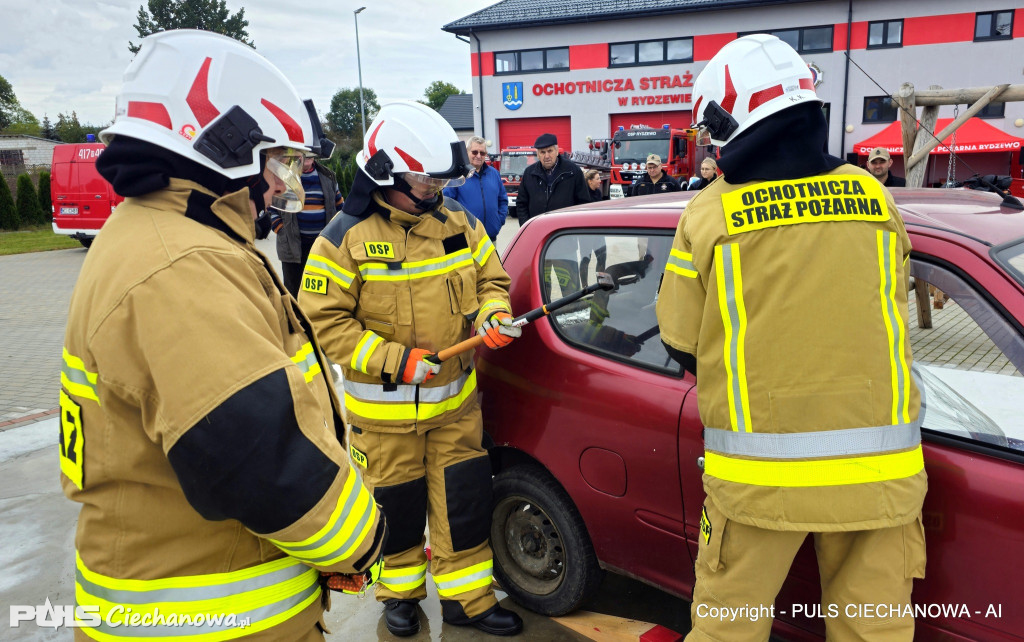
964	212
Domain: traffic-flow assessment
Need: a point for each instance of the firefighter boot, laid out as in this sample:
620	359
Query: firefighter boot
499	621
401	617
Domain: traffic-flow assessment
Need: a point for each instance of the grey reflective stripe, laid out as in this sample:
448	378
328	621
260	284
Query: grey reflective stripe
892	318
404	579
365	349
483	250
444	264
805	445
75	375
193	594
320	265
462	581
729	276
405	393
309	361
253	617
681	263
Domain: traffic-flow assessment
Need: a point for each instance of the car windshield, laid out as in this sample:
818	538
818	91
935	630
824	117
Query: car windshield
1011	256
637	150
515	164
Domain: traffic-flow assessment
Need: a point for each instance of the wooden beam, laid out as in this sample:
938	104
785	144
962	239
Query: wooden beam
908	115
966	96
921	152
915	170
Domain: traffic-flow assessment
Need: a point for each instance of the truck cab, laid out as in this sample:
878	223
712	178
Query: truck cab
82	199
512	162
680	155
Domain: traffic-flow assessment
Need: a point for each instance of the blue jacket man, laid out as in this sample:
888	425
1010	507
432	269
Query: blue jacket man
483	193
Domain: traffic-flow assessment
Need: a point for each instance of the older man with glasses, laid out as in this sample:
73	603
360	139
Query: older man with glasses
483	193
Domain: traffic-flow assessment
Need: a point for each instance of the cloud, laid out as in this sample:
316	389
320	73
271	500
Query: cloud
69	55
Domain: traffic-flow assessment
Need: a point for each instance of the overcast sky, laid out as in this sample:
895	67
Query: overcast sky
64	55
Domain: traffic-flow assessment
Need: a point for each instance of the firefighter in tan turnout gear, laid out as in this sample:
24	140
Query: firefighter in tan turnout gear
785	292
198	429
403	273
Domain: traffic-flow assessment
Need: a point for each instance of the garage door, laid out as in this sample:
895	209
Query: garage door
653	119
515	132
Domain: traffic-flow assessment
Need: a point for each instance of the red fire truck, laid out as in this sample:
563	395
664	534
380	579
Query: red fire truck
82	199
680	155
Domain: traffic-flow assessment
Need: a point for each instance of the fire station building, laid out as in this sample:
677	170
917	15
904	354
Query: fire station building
579	69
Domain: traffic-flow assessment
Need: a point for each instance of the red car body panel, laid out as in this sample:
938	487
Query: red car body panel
624	441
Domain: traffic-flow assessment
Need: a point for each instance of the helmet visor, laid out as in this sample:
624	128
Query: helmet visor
703	135
424	182
287	166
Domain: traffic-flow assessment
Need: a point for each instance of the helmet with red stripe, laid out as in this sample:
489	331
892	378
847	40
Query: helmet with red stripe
210	99
414	141
748	80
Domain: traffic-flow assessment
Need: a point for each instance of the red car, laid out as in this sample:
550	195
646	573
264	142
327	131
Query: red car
597	441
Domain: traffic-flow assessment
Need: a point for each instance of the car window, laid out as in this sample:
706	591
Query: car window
970	360
620	323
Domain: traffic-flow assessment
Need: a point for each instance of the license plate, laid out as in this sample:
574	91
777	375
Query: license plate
69	210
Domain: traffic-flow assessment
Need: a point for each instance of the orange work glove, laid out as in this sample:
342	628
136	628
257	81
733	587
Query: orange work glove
417	370
498	330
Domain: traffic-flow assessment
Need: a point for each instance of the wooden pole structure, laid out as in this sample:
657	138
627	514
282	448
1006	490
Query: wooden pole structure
921	152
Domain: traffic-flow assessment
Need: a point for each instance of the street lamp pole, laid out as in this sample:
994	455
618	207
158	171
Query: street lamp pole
359	64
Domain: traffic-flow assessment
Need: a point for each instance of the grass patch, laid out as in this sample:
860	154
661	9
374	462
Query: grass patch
35	238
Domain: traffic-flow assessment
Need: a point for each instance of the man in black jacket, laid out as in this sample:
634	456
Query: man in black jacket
551	183
654	181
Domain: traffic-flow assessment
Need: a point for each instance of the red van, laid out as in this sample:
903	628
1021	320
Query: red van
82	199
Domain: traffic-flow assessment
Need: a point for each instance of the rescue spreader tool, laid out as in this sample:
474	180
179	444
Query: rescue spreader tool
604	282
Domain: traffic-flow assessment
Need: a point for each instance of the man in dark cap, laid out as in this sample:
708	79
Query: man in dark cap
553	182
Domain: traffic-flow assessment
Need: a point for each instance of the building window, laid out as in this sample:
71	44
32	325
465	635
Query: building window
650	52
992	110
804	40
880	109
510	62
11	157
885	34
993	25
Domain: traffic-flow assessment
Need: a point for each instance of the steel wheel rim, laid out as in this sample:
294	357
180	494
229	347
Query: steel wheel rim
528	545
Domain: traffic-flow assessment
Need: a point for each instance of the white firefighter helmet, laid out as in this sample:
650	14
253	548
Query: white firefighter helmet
213	100
748	80
413	140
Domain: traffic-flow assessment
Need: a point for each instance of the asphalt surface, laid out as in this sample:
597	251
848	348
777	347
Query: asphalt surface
37	523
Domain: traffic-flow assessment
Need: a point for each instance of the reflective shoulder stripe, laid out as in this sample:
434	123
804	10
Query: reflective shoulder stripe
79	381
804	445
894	326
821	472
322	265
483	251
373	402
464	580
350	523
681	263
364	350
734	320
266	595
305	359
404	579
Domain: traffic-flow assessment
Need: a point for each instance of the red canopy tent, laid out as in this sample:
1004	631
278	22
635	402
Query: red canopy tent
974	136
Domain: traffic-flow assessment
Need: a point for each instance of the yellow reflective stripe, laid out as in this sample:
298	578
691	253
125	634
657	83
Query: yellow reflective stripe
483	251
491	304
681	263
819	472
266	594
79	381
410	411
467	579
344	532
404	579
416	269
364	350
894	327
734	319
322	265
305	359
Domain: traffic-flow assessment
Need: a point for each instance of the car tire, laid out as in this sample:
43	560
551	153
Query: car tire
543	557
